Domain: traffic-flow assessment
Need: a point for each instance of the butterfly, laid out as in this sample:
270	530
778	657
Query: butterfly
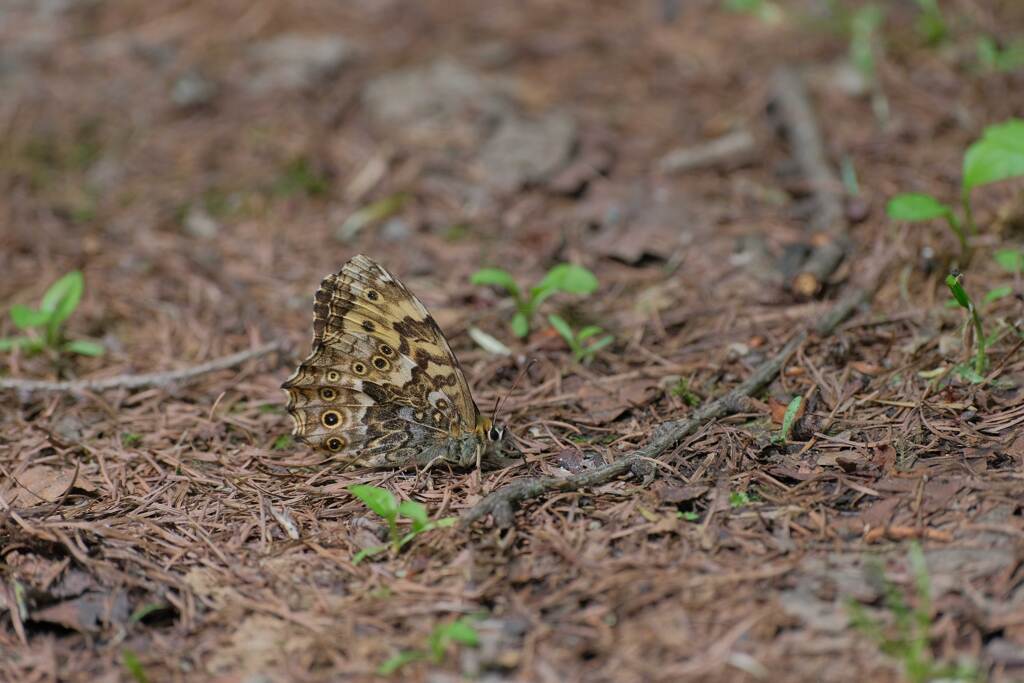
381	387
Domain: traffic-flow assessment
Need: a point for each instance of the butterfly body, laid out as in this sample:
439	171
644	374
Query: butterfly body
381	387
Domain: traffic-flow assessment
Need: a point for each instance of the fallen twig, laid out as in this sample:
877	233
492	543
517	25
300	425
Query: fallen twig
828	224
502	502
153	379
728	149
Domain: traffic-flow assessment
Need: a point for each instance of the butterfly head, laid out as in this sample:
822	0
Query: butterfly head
496	439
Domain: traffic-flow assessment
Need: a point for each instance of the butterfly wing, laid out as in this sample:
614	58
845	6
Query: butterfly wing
381	385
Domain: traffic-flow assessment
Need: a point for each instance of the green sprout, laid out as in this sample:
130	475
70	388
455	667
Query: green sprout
788	418
683	391
907	640
931	24
974	319
992	57
565	277
45	324
765	10
300	177
459	632
383	502
997	156
131	663
582	352
739	499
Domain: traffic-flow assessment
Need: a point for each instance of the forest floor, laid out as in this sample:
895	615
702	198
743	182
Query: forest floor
206	164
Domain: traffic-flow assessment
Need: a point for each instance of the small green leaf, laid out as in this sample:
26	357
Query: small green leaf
738	499
368	552
377	499
282	442
417	512
488	343
997	156
445	522
83	347
600	344
63	295
463	633
25	317
688	515
953	282
520	324
1010	260
27	344
134	666
129	439
496	277
789	417
916	207
396	662
143	611
997	293
562	328
568	277
587	332
373	213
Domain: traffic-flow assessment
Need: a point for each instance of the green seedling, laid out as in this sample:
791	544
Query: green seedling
974	320
992	57
907	638
739	499
765	10
688	516
788	418
45	324
130	439
459	632
299	177
577	341
282	442
134	667
376	212
997	156
931	24
383	502
565	277
683	391
865	51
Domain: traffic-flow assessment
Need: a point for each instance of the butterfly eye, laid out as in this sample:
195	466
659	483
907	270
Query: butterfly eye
334	444
330	418
328	394
495	433
359	368
333	376
387	350
372	294
380	363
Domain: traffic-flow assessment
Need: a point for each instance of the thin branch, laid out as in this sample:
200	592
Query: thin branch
154	379
502	502
828	224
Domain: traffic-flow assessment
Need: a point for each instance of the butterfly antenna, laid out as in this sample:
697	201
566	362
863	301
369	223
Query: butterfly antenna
501	399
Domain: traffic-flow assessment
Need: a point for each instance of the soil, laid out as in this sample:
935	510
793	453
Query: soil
206	164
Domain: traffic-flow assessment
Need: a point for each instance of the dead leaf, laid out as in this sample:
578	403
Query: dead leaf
86	613
605	402
38	485
680	494
880	513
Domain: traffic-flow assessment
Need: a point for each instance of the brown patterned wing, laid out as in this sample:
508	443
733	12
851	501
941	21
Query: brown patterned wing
381	385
